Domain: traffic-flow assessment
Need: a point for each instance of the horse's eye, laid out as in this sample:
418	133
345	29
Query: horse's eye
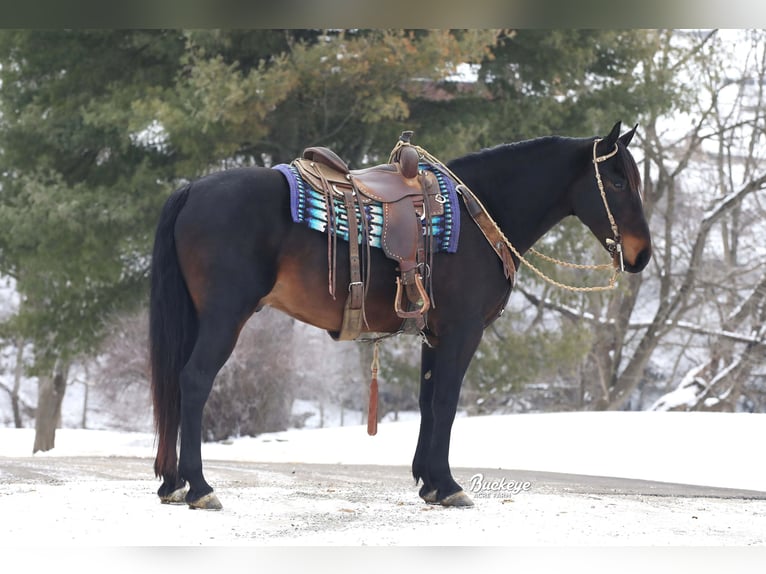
618	184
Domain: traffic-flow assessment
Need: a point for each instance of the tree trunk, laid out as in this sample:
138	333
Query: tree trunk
84	419
18	372
49	399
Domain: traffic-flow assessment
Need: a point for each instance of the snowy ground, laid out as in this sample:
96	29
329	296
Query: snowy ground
340	487
710	449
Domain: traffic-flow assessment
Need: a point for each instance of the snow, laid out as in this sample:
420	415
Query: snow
688	448
467	73
9	297
686	394
95	490
695	448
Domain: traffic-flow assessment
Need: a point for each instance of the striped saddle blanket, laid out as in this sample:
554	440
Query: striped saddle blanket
308	206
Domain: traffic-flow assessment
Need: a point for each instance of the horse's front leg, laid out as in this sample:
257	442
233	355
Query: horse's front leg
450	361
420	461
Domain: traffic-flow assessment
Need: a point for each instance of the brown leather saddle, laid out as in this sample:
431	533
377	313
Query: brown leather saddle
409	196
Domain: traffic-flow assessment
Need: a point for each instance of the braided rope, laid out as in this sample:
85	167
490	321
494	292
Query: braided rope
575	288
569	264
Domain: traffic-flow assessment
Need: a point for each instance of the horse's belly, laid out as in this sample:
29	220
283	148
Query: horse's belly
305	295
307	303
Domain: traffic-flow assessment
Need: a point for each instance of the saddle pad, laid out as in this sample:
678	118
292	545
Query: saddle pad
307	206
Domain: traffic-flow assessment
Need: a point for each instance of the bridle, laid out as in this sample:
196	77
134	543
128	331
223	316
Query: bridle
613	245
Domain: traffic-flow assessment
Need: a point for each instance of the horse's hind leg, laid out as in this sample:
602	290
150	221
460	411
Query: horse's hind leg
217	336
216	339
173	489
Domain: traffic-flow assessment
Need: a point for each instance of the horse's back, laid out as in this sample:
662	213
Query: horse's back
238	247
235	204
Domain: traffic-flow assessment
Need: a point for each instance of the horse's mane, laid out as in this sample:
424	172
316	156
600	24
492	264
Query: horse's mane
496	157
509	159
502	151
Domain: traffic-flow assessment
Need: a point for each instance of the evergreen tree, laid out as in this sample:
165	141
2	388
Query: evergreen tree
80	192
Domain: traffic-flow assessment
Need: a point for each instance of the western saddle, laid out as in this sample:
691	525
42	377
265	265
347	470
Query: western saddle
410	197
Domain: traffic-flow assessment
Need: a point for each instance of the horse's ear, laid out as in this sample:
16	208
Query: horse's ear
628	136
606	145
611	139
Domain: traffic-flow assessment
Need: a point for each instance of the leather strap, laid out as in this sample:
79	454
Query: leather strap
332	235
488	227
355	288
353	314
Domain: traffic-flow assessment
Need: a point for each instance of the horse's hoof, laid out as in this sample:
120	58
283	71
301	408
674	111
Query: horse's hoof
430	497
208	502
459	499
178	496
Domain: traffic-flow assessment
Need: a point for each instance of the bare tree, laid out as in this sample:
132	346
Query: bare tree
719	296
19	407
253	392
331	374
699	302
118	378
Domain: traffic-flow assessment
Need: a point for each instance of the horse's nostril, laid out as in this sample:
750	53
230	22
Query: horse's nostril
642	259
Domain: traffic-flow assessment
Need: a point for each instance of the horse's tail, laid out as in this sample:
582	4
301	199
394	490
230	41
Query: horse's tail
172	333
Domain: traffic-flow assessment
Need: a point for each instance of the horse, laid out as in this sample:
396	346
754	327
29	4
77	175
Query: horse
226	246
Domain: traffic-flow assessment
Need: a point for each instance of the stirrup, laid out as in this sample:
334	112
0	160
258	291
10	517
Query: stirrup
423	295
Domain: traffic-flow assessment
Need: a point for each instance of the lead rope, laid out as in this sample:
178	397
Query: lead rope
613	245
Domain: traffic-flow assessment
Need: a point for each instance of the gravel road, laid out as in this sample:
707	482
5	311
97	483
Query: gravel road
93	501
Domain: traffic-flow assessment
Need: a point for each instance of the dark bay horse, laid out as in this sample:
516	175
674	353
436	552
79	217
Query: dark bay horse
226	246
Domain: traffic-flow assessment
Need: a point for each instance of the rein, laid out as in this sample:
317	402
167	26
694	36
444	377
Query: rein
614	246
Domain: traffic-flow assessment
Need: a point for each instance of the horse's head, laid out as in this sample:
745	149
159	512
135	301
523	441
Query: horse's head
608	199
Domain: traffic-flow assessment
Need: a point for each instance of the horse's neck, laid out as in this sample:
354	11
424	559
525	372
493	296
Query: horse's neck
526	191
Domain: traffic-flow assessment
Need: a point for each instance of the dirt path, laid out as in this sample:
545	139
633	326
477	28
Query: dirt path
94	501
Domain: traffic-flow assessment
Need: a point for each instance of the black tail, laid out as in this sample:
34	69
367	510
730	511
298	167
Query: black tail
172	333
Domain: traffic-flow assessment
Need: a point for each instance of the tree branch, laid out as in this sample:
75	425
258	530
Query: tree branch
575	315
631	376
